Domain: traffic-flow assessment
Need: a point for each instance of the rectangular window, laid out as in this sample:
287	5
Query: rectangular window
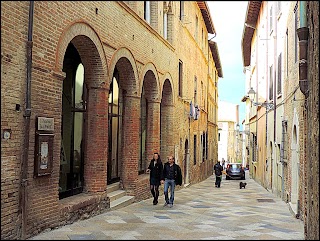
195	90
279	74
165	25
295	37
180	77
287	50
271	82
202	43
196	30
278	7
147	12
194	149
271	19
254	148
181	10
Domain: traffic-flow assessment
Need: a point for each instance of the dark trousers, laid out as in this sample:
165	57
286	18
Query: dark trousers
155	193
218	181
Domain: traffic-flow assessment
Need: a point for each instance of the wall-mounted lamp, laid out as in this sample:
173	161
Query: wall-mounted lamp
252	93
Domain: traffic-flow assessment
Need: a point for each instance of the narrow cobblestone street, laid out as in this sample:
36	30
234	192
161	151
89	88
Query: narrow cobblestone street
200	211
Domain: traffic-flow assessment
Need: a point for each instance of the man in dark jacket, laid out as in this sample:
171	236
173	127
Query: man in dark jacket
171	176
218	172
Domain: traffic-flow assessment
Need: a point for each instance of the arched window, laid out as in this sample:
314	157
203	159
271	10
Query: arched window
72	125
114	129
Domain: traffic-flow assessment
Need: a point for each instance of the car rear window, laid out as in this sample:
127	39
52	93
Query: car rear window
234	166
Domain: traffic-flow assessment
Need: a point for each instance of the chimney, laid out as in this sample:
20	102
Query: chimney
237	113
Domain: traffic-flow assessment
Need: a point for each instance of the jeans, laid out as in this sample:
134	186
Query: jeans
167	183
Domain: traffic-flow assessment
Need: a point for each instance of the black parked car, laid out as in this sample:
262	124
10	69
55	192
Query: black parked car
235	170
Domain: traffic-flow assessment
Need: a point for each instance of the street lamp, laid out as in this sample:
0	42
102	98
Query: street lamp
252	93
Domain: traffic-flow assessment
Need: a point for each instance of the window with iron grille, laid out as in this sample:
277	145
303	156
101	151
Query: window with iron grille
279	74
271	82
181	10
147	12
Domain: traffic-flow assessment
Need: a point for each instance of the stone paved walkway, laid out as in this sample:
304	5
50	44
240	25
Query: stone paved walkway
200	211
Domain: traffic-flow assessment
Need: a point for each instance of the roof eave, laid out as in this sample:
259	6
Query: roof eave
206	16
253	10
216	57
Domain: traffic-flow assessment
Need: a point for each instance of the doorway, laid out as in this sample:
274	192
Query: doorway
114	129
186	161
74	96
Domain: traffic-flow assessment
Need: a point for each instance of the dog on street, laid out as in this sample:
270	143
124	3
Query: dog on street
242	184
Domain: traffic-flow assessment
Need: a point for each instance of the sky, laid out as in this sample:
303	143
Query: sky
228	19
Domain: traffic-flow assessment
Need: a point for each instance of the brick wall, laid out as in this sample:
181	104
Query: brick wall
107	35
13	79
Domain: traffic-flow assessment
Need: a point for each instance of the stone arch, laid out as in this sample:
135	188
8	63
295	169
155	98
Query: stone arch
123	69
94	118
150	114
90	49
123	59
167	79
167	117
150	81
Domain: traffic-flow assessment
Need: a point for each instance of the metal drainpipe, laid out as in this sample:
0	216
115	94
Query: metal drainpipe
303	33
27	114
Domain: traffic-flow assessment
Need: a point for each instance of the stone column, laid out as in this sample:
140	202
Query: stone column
153	129
130	143
95	166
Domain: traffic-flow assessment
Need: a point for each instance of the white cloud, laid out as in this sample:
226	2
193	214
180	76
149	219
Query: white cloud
228	19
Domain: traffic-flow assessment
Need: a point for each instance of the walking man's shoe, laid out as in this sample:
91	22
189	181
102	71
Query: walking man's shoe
170	205
165	204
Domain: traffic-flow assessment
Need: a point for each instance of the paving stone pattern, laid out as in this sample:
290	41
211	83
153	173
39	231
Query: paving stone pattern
200	212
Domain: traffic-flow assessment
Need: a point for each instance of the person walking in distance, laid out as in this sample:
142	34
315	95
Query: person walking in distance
171	177
218	172
156	170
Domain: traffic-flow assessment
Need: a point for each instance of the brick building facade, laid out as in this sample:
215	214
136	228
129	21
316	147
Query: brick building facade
89	91
292	82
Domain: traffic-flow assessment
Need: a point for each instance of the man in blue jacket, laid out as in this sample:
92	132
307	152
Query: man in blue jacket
171	177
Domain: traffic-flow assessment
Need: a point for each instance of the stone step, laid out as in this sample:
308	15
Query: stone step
113	187
116	194
121	202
